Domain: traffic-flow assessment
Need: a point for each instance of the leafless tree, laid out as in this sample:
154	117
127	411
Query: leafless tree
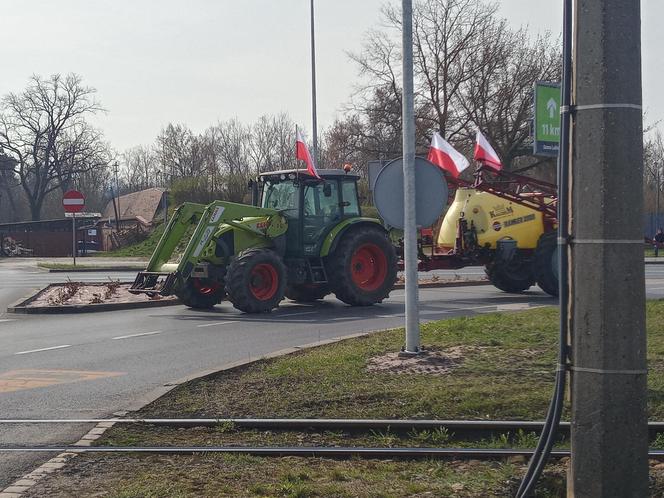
140	168
471	69
175	151
653	171
43	129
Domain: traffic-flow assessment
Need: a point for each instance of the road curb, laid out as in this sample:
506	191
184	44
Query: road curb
21	306
83	269
57	463
448	283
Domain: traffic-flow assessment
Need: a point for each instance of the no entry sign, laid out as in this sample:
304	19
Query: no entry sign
73	201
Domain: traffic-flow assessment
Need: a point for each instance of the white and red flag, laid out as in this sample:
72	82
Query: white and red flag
443	155
484	153
302	153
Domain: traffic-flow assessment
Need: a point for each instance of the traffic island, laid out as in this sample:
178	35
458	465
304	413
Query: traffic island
80	297
487	367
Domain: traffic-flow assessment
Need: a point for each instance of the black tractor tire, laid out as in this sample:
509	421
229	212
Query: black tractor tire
363	268
200	293
545	264
307	293
256	280
514	276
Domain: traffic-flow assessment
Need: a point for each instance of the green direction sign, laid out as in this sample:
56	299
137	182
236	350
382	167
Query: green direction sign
547	119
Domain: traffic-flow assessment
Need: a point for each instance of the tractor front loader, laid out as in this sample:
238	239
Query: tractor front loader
303	238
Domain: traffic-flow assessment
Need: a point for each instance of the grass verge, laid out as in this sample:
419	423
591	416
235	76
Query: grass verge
499	366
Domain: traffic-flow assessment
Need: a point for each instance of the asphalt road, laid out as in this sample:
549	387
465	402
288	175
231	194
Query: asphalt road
93	365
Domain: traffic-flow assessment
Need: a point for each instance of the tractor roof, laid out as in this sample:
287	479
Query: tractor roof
324	173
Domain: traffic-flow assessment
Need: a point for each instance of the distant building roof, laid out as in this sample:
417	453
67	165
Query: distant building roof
143	204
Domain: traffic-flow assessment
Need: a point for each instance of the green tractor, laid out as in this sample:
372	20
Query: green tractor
303	238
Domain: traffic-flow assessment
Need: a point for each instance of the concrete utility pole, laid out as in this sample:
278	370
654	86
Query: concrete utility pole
609	423
314	118
410	224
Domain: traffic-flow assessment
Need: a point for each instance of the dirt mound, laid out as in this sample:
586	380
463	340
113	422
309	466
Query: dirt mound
429	361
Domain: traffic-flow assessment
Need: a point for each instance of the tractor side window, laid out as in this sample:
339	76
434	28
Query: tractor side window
349	195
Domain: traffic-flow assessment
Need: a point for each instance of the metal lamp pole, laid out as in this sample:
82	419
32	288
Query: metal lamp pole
659	186
313	87
410	223
117	189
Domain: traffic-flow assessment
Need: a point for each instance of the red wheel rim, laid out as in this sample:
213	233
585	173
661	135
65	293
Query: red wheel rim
368	267
264	281
205	288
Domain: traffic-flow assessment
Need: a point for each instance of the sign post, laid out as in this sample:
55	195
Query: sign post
547	119
73	202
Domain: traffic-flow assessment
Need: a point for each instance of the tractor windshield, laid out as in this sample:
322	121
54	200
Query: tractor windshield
283	196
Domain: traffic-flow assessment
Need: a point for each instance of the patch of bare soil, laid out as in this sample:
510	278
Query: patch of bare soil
435	279
428	361
77	293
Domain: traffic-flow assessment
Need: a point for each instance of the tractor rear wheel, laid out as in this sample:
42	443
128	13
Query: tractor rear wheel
256	280
545	266
201	293
363	268
307	293
514	276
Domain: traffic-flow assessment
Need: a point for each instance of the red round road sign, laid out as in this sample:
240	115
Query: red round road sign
73	201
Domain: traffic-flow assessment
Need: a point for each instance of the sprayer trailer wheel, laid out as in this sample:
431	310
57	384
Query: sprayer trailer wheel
513	276
545	265
256	280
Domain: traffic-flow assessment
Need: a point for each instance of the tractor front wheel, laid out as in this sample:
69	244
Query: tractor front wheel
256	280
363	268
201	293
514	276
307	293
545	265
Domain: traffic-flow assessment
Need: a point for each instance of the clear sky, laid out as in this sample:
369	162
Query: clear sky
200	61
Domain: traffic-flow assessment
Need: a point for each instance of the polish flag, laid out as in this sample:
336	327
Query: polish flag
443	155
302	152
484	153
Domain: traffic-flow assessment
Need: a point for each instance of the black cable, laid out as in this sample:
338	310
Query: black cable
548	436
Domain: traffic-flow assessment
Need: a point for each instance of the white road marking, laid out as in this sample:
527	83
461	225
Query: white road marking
44	349
7	320
213	324
136	335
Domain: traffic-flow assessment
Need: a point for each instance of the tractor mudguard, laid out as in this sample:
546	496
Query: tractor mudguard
334	236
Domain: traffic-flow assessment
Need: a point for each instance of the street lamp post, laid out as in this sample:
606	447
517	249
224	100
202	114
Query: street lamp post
313	87
410	224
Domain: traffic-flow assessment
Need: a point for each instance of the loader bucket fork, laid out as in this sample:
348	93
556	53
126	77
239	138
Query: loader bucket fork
158	279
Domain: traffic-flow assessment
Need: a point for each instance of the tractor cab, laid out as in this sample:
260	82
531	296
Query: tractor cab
312	207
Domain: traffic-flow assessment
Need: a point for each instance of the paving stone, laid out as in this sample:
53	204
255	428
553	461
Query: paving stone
16	489
25	482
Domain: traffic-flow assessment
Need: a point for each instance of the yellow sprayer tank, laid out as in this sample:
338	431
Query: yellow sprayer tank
494	218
